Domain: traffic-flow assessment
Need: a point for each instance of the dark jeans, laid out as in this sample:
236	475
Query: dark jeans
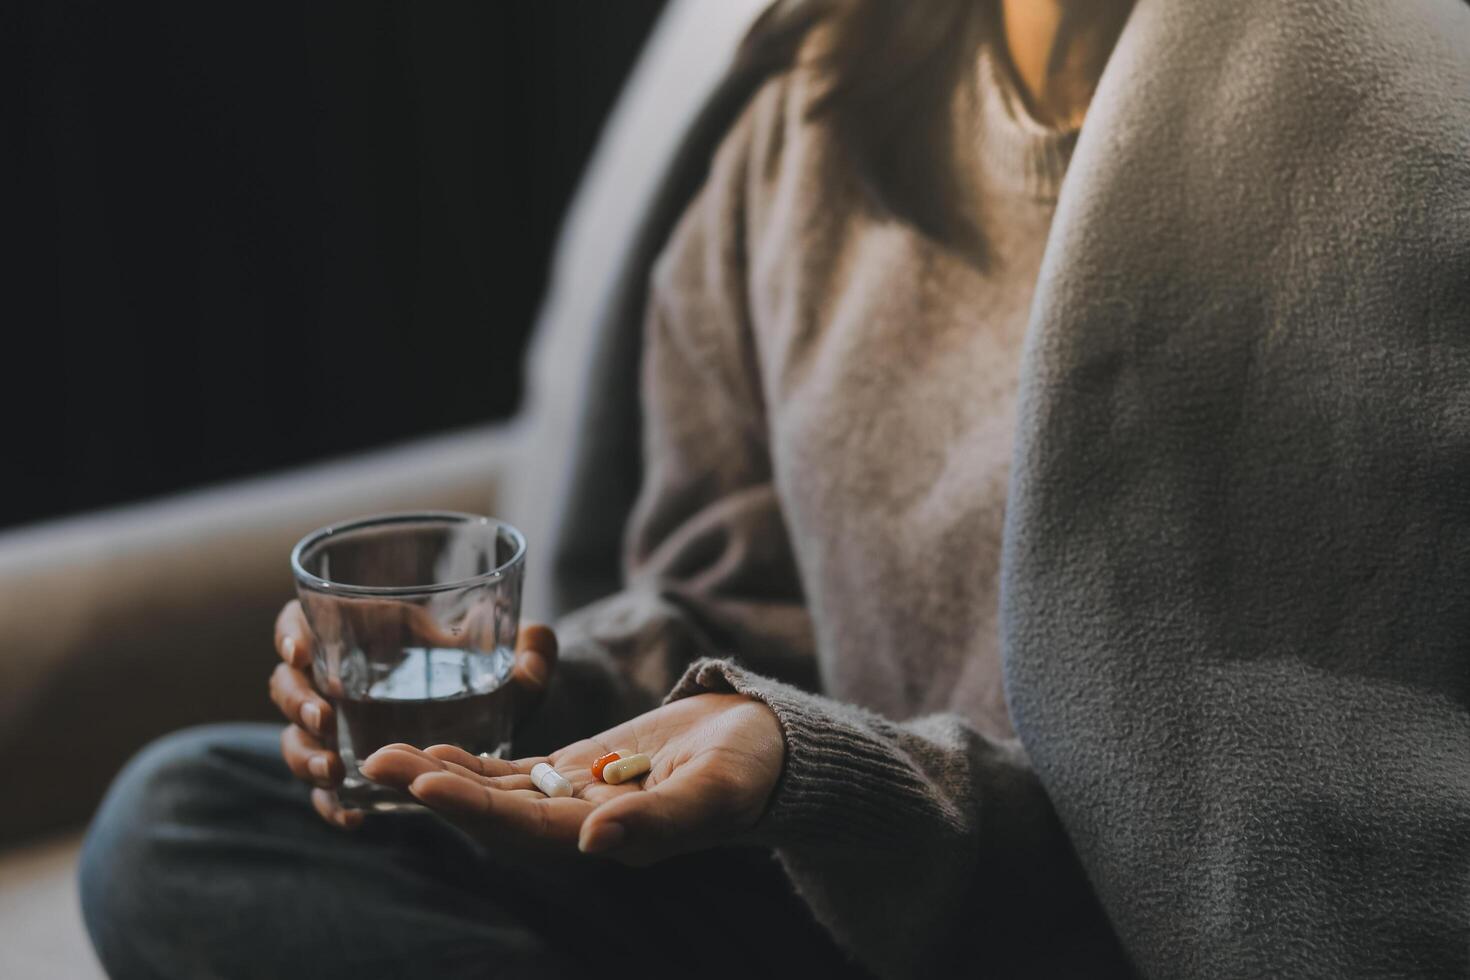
206	860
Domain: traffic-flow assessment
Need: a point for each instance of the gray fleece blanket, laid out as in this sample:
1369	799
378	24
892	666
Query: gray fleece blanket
1236	602
1237	564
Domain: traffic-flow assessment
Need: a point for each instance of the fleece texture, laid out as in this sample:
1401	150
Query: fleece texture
1232	607
1236	611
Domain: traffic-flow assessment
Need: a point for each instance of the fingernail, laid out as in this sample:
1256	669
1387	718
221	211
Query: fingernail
311	715
320	768
288	648
604	837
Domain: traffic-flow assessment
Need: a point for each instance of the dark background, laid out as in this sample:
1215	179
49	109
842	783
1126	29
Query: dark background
246	236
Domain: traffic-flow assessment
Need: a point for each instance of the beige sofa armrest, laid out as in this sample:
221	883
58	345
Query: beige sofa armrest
122	625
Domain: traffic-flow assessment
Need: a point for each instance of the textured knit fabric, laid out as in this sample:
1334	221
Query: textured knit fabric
1233	613
817	373
709	559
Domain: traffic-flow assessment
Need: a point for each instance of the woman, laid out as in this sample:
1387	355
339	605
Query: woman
833	348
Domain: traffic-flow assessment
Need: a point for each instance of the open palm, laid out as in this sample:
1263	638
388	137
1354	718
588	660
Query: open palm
716	759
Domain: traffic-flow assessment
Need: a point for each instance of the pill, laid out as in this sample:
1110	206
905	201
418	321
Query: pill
549	781
597	766
625	769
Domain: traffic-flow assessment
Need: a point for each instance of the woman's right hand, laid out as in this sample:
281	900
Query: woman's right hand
309	740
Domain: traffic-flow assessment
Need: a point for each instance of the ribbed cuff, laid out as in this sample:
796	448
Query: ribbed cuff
843	784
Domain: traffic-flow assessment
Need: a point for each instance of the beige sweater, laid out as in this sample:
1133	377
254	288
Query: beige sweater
828	404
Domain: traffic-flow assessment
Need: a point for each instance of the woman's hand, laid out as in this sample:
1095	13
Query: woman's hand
716	759
309	742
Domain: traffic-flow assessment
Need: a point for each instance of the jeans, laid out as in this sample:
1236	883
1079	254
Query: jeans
206	860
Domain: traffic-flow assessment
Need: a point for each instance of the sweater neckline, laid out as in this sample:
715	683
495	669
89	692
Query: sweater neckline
1018	150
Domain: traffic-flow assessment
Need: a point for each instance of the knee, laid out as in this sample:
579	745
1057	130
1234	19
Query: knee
172	792
150	794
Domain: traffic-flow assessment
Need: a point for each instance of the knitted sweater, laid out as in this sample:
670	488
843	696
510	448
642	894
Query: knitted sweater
829	405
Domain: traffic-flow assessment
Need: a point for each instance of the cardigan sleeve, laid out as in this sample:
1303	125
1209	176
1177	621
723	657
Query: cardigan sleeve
924	847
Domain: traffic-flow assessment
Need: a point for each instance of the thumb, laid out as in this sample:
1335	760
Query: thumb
536	650
674	817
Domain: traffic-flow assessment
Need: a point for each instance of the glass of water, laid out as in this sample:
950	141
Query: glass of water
415	617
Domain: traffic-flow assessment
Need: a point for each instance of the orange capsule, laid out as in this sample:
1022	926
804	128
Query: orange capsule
597	766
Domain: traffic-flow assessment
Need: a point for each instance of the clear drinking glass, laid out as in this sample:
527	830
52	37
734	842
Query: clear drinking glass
415	617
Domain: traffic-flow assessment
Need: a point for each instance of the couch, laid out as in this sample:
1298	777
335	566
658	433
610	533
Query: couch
125	624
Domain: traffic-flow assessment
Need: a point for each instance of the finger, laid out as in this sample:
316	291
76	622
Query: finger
536	653
399	765
493	772
293	694
680	814
331	810
294	640
481	764
513	781
308	760
519	815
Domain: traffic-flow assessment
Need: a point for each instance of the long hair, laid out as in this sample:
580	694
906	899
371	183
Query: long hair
890	70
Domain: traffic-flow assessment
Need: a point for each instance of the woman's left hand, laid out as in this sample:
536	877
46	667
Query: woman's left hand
716	759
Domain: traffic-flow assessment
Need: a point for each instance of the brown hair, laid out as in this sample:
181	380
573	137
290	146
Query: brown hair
891	69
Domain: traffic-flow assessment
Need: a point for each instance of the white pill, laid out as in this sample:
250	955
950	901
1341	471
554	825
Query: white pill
549	781
622	770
